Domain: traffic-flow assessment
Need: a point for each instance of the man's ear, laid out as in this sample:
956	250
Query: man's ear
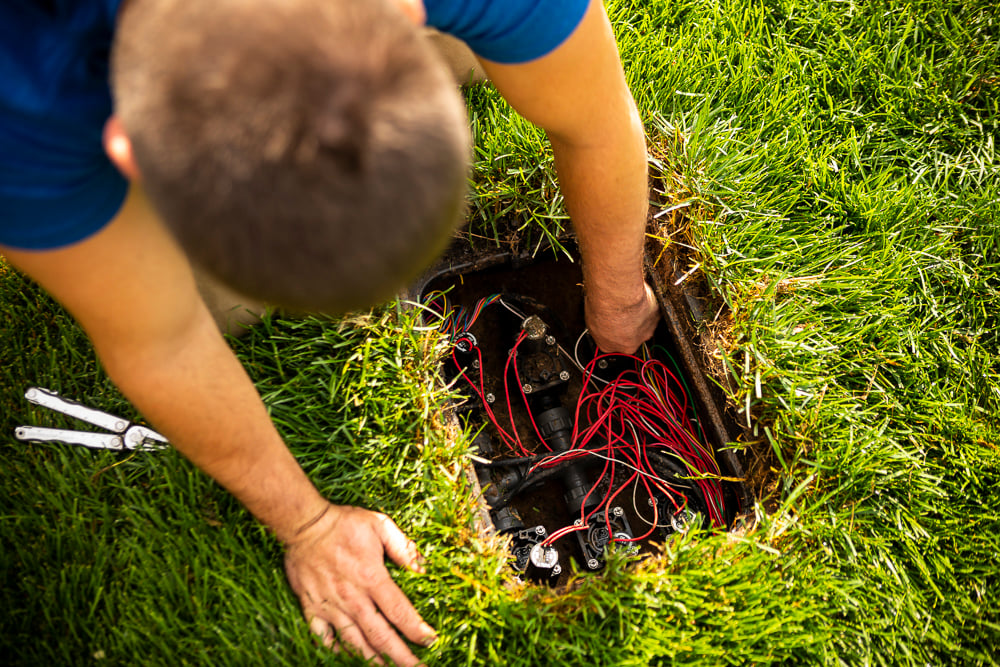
119	148
414	10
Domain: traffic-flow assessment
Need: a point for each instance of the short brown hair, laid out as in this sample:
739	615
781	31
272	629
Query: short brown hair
313	154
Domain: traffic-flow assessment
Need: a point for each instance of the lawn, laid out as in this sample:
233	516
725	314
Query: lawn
830	176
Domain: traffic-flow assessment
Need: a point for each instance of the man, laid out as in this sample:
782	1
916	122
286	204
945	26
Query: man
124	269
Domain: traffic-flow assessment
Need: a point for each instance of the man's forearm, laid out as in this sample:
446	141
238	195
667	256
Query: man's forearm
132	290
604	185
579	95
194	390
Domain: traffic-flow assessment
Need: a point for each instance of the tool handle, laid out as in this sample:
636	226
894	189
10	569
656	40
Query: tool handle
92	440
48	399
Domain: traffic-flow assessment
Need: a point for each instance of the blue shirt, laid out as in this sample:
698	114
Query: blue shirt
57	186
507	31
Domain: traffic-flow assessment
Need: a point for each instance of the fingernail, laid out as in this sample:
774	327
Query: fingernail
418	564
430	635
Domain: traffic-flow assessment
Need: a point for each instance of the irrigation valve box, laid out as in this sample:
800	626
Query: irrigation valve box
578	452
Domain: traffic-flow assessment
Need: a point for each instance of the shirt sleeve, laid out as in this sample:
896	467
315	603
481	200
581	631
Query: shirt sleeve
57	186
62	216
508	31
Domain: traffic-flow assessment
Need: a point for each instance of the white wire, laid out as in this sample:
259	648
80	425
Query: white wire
628	465
635	506
576	359
512	309
555	457
576	351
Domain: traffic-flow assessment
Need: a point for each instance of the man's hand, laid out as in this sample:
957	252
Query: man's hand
335	566
618	326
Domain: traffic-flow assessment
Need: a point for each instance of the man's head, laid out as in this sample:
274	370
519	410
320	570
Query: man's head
312	154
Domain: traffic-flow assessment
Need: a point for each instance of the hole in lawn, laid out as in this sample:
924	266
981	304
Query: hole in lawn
578	452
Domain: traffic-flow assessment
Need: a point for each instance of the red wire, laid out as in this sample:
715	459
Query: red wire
633	412
520	388
506	391
481	393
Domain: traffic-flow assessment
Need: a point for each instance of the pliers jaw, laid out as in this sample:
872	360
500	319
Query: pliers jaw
140	437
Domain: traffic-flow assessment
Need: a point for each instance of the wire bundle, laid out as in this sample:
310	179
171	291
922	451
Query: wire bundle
646	412
638	422
456	320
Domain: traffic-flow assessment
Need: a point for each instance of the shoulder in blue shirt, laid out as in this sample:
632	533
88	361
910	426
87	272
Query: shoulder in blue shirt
508	31
56	184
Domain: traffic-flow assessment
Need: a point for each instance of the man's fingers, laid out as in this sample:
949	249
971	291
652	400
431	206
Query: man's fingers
357	626
397	610
620	329
352	637
323	630
401	549
379	636
390	600
343	633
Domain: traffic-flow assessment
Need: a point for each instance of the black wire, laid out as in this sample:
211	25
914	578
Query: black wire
675	475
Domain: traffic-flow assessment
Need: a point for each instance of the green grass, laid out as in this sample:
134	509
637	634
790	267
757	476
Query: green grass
839	163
